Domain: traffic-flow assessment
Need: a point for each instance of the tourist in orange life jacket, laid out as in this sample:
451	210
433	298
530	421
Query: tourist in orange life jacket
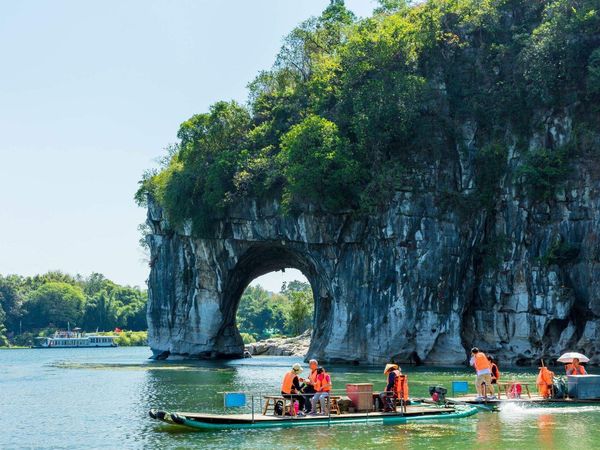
291	387
310	382
494	369
545	381
396	387
575	368
323	388
483	368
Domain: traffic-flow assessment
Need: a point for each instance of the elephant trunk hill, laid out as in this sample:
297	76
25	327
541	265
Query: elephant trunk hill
434	171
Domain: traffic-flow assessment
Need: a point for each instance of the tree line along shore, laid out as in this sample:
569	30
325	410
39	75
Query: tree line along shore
39	305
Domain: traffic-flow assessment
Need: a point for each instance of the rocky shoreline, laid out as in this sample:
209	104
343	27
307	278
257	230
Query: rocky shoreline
293	346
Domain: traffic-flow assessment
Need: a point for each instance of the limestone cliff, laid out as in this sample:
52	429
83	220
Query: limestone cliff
414	282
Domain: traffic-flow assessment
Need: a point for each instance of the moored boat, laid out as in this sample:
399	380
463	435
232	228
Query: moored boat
75	339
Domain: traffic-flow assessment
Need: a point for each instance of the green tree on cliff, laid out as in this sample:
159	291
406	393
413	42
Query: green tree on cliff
355	110
313	159
198	183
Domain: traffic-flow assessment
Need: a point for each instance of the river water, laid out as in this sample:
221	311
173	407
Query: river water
99	398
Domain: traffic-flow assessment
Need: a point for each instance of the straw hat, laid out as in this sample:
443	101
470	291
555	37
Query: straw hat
389	367
297	368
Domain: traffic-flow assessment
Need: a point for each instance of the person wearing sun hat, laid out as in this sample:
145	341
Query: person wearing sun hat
387	397
291	387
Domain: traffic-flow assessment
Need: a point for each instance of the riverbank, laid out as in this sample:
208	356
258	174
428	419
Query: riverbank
287	346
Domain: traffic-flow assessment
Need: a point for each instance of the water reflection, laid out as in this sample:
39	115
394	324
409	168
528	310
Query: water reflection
189	388
489	430
546	425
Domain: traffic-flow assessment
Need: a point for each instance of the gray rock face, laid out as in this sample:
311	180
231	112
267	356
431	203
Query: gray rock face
293	346
409	283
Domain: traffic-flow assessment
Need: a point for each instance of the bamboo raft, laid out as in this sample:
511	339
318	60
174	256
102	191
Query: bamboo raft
413	413
534	400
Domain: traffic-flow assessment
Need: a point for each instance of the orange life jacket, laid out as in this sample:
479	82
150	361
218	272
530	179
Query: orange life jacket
287	387
544	382
579	370
323	383
400	385
481	362
313	377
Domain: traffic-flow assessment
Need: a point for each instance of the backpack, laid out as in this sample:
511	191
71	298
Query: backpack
278	408
560	387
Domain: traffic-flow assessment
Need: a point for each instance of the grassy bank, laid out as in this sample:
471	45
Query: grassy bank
130	338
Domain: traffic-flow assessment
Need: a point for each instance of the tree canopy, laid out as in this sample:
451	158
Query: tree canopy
262	314
55	300
55	304
353	108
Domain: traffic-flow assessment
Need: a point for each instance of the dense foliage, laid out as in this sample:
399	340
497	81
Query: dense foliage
353	108
130	338
262	314
31	306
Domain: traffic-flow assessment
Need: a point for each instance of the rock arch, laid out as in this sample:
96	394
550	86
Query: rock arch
409	283
262	258
366	276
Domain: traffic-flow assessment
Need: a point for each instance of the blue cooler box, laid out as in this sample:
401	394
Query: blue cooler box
584	387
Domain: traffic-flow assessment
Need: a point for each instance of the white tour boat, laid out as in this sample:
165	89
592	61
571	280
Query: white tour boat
74	339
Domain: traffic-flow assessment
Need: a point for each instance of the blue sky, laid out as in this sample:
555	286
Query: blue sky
90	94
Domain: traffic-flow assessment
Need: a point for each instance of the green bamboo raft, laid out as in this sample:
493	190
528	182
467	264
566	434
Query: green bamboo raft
211	422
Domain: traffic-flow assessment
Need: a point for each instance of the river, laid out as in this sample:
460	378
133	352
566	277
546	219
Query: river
99	398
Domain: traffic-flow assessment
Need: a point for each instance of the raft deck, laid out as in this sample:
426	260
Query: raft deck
207	421
533	400
247	418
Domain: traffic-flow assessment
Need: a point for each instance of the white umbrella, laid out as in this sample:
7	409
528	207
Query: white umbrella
569	356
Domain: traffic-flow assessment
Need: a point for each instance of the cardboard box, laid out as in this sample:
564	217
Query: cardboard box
361	395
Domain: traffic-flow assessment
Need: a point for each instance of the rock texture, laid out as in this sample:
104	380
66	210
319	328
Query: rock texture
294	346
415	282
